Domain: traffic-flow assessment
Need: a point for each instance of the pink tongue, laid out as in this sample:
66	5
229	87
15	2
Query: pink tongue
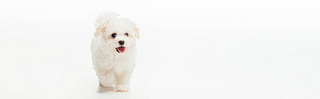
121	49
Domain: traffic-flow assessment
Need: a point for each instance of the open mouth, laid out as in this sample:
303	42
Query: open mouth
120	49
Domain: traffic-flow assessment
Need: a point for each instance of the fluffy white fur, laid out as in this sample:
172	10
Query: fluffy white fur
114	69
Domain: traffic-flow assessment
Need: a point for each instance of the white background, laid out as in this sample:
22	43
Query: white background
224	49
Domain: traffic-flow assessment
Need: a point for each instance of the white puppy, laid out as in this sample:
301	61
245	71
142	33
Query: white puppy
114	50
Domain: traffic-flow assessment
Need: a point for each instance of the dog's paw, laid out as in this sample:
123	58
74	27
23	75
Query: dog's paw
122	88
106	84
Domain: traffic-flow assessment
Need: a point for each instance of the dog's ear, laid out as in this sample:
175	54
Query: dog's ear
137	32
100	30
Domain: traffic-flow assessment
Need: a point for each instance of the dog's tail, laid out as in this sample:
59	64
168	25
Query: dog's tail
105	16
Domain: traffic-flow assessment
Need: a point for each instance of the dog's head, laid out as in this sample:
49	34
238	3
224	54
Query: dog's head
119	34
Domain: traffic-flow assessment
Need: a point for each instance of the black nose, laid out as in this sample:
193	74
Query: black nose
121	42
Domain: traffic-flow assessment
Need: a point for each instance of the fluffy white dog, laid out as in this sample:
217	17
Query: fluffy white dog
114	50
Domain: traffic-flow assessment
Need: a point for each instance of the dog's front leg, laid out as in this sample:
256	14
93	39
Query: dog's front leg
106	78
123	81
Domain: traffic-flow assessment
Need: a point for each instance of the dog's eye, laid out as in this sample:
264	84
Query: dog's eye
113	35
127	34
